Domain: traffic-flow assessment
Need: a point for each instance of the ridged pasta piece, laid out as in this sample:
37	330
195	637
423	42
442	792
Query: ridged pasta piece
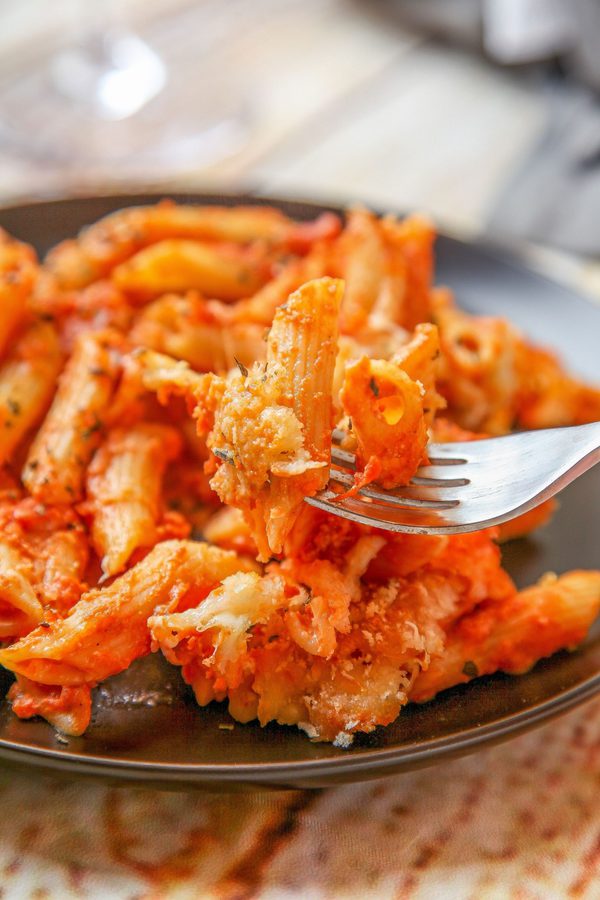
511	636
227	273
51	548
362	266
272	429
409	244
478	375
55	468
18	274
124	483
65	557
106	630
388	422
420	358
102	246
20	608
28	378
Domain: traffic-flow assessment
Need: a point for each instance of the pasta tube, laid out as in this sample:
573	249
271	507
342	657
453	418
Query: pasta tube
272	430
102	246
123	489
386	411
18	273
409	244
262	306
106	630
420	358
65	555
27	382
20	609
178	265
513	635
57	459
363	268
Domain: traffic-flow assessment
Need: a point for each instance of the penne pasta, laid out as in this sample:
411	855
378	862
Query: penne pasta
420	359
513	635
478	374
106	630
183	367
20	609
227	273
386	410
409	244
18	274
28	378
65	556
55	468
547	396
104	245
363	268
285	409
124	490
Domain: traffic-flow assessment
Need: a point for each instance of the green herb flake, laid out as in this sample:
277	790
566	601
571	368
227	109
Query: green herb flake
374	387
14	406
224	455
470	669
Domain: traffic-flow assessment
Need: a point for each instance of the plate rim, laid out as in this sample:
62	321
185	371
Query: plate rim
370	761
382	759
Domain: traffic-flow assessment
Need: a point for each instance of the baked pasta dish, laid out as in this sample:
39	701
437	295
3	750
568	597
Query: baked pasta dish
169	382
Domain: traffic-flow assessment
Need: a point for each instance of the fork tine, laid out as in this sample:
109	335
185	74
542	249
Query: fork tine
391	518
533	467
398	498
427	481
343	458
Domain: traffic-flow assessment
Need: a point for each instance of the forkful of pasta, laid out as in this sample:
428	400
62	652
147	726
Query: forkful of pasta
269	430
468	485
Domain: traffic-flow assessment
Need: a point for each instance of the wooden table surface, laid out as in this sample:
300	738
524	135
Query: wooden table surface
347	106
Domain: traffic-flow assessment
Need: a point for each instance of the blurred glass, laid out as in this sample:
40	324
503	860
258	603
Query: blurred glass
106	97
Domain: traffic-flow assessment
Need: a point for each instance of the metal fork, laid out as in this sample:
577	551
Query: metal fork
468	485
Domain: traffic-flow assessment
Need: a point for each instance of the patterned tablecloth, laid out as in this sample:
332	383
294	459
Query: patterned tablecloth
517	821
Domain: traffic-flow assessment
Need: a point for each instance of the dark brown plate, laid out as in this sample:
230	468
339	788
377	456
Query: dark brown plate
146	727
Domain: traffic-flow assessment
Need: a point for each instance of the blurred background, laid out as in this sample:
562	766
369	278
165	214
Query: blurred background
485	113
